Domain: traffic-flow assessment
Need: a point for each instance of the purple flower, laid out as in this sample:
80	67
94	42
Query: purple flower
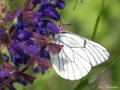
21	81
60	4
55	4
45	26
45	54
41	66
32	50
3	33
18	55
19	15
29	41
48	12
11	15
35	2
52	27
20	58
17	46
1	80
5	57
25	35
4	74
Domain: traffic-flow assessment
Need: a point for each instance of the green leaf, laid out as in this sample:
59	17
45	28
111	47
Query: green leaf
96	73
82	84
4	50
15	4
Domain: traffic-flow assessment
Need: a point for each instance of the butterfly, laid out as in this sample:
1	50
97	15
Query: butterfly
78	55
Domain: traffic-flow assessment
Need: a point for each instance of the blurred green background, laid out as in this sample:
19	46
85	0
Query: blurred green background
84	20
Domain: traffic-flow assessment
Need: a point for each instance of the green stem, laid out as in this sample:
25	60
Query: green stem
98	20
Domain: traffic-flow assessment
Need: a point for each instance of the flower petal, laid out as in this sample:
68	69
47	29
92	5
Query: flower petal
55	48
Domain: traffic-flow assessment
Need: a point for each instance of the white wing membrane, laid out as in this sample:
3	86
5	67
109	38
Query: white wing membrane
78	56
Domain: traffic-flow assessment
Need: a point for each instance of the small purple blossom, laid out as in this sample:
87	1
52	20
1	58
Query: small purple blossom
32	50
4	74
44	26
5	57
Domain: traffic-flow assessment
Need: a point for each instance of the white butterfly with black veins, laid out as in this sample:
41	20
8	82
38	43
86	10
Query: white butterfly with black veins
78	56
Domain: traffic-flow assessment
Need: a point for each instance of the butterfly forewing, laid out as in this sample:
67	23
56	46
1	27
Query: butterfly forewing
78	55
